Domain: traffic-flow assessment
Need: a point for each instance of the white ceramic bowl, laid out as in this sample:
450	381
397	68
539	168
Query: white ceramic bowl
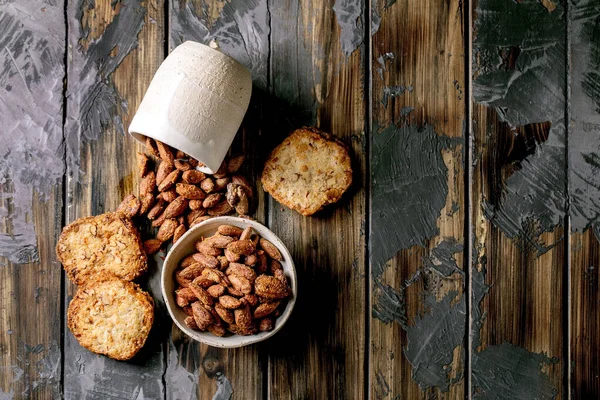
185	246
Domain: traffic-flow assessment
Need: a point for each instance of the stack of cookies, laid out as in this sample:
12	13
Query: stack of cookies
109	314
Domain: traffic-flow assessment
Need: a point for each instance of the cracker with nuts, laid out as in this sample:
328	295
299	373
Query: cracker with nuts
111	316
105	243
234	284
308	171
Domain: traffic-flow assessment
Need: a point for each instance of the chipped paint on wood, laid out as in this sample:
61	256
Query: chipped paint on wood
32	40
409	184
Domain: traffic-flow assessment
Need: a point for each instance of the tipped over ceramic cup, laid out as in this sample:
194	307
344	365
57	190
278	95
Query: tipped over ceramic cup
195	103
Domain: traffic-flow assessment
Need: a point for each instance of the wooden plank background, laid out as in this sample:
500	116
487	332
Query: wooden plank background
390	304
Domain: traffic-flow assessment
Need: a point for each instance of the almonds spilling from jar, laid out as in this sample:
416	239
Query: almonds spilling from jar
176	196
234	283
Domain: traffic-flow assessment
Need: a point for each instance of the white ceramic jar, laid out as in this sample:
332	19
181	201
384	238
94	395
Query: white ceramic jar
195	103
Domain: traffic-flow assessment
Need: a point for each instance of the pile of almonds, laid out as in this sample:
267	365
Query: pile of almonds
234	283
177	196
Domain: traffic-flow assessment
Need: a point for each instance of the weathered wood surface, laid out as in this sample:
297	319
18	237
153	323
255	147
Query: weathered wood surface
114	50
417	201
317	77
31	203
382	310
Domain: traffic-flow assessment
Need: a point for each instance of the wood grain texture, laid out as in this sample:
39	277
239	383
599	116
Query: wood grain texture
584	184
320	353
417	296
114	50
241	30
31	172
523	305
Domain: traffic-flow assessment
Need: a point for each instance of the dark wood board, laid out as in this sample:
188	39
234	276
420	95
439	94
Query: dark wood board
32	38
519	200
584	185
317	77
417	201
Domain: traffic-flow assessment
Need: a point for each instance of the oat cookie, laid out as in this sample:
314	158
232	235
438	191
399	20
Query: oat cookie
309	170
105	243
111	316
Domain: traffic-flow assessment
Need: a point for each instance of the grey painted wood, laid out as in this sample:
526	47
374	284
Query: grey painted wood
32	49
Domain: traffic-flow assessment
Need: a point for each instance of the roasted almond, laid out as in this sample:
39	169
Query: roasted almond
195	204
208	250
222	208
232	257
229	230
187	294
279	274
176	208
206	260
270	287
167	229
207	185
143	163
251	299
193	176
221	184
217	330
181	280
216	291
165	152
229	302
222	171
158	221
164	169
148	183
191	217
240	283
241	247
219	241
201	294
270	249
202	317
190	322
182	165
252	259
151	147
212	200
224	262
192	272
169	180
234	292
152	246
147	201
157	209
262	264
191	192
168	195
241	270
234	163
224	313
243	317
247	233
203	282
265	309
179	232
266	325
186	262
130	206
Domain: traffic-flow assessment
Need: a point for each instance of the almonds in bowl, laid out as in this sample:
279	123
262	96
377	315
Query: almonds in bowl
229	282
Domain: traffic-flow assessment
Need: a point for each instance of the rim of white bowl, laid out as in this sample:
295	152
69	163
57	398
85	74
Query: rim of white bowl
216	341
